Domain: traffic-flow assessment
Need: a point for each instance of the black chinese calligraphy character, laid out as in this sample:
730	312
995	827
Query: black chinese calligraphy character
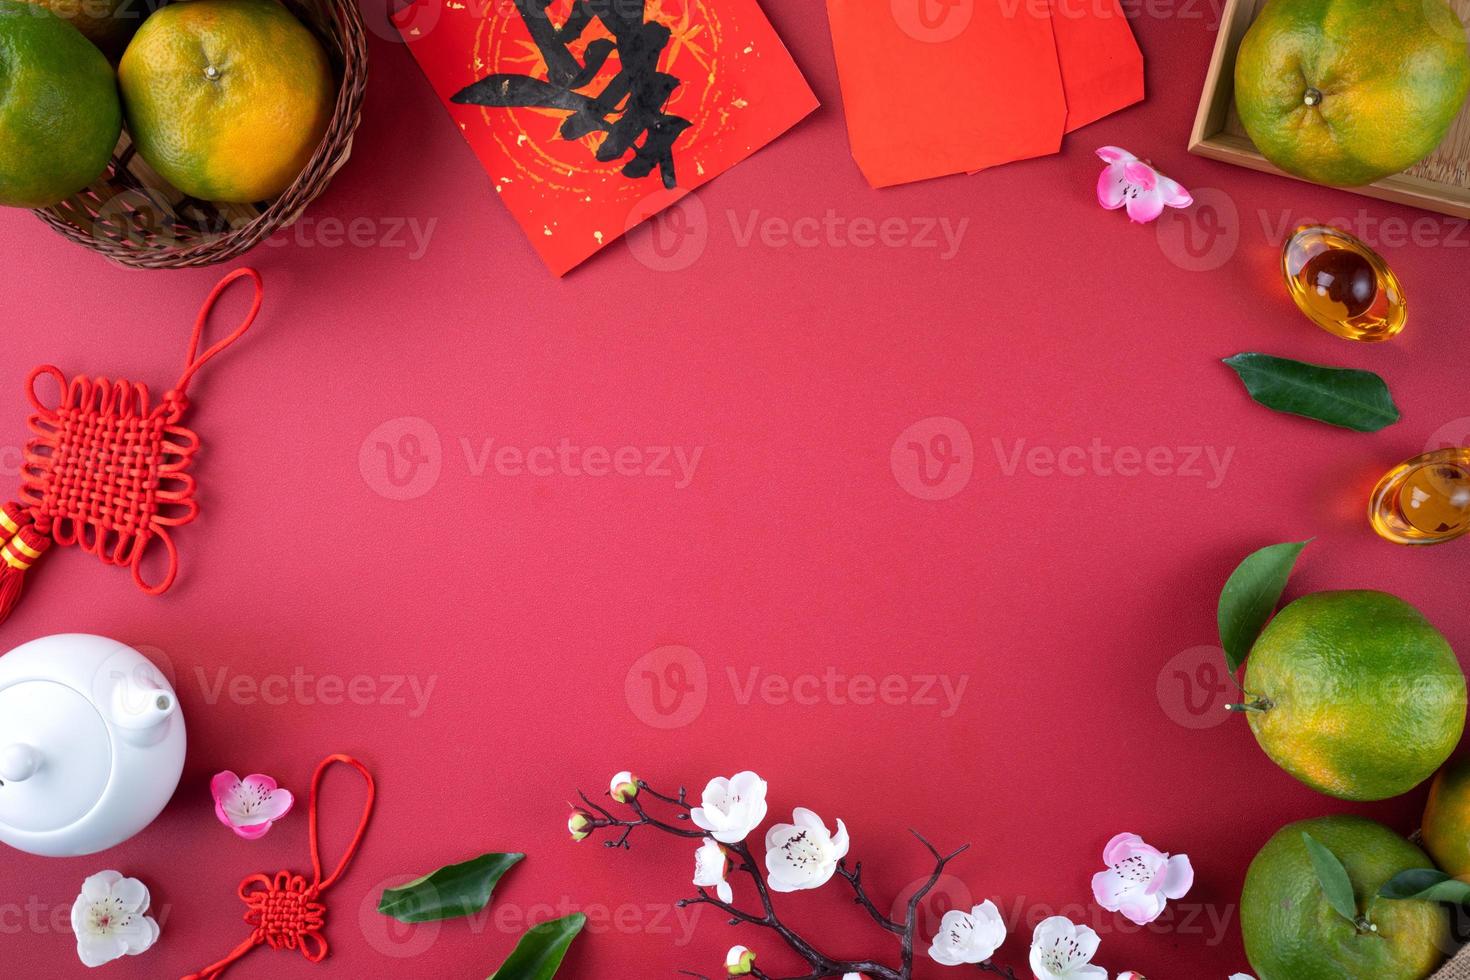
636	95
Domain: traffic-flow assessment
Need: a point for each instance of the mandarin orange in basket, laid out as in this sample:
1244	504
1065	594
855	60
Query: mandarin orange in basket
1446	825
59	114
1292	930
227	99
1345	92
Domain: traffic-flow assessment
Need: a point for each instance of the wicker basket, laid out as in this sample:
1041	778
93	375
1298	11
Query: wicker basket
136	218
1457	968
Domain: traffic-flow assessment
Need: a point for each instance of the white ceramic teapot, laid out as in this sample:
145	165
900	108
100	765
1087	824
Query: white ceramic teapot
91	744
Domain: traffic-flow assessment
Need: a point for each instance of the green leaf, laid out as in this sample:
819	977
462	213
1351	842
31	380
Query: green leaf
1334	878
1250	595
451	892
1427	884
1352	399
539	953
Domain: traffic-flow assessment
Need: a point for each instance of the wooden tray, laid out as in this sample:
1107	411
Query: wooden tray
1440	182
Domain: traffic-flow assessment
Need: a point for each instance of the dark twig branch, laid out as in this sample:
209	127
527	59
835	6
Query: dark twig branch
854	878
600	818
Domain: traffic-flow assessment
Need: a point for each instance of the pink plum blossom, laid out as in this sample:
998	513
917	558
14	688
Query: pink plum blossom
249	806
1130	182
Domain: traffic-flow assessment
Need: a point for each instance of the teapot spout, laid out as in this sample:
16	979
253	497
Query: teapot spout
140	706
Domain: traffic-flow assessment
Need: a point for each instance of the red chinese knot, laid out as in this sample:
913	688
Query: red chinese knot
107	471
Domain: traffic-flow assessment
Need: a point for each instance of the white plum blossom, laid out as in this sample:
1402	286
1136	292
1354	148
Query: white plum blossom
1063	950
803	854
711	867
733	807
1241	976
739	961
968	937
109	921
1140	879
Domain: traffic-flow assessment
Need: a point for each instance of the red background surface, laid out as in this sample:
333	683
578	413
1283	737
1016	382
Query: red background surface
1063	602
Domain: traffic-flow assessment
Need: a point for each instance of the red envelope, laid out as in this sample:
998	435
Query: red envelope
936	87
1102	67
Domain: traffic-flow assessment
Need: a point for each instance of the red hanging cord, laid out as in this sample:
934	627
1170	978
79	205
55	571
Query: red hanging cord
192	361
106	471
285	908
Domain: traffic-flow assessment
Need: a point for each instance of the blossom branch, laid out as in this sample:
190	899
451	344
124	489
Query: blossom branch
822	965
718	856
583	823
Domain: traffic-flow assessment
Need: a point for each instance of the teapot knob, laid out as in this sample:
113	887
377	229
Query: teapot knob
18	762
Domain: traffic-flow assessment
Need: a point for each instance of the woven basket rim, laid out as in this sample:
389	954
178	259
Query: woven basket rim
343	23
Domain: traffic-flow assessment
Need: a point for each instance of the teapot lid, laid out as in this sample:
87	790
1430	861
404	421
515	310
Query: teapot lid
55	756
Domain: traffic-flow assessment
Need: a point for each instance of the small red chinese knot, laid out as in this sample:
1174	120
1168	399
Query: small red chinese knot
286	913
286	910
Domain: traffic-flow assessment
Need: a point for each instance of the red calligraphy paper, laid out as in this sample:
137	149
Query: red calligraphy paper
591	117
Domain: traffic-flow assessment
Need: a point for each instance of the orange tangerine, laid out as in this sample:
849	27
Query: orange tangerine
227	99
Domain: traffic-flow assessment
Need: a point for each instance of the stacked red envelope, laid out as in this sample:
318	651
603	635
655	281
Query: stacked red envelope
936	87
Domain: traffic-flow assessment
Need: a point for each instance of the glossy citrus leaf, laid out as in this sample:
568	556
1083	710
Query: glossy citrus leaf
1334	878
449	893
1250	596
539	953
1344	397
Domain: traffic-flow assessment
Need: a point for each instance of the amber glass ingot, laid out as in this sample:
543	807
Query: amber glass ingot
1342	285
1424	501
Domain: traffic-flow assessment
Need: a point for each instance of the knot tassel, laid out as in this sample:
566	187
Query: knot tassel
24	546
